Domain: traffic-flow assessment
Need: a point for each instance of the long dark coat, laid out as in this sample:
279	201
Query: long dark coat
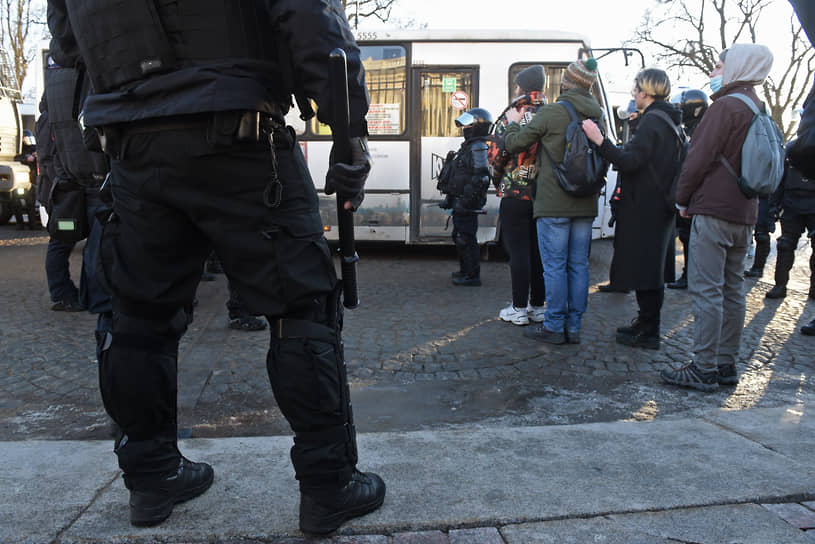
645	228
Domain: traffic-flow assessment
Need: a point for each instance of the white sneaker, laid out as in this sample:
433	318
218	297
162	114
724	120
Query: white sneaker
535	313
514	315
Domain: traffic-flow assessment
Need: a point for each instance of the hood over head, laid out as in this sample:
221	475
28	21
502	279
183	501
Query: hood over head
748	62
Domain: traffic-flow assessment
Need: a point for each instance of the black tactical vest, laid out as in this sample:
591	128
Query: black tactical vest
64	90
123	41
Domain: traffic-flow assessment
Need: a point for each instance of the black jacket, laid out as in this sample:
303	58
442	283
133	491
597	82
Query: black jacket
307	31
644	226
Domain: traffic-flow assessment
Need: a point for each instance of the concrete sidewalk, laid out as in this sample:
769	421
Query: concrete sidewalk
673	480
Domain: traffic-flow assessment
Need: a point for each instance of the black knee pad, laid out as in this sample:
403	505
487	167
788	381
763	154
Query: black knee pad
762	237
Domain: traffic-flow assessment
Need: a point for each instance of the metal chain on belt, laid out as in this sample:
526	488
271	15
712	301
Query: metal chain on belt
273	193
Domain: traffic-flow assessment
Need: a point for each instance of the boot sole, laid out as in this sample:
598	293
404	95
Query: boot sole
331	523
148	517
628	341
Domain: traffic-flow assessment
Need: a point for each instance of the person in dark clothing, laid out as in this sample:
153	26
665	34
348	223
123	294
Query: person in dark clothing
514	176
85	169
765	225
25	204
644	220
239	317
185	102
63	291
794	203
465	189
693	104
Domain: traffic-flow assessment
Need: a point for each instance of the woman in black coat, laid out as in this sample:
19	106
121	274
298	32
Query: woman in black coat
647	164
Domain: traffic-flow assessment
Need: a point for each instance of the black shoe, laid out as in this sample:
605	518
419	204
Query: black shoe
753	272
470	281
692	376
207	276
67	306
727	375
639	339
458	274
635	327
572	337
809	329
323	512
778	291
608	288
681	283
152	502
246	323
542	334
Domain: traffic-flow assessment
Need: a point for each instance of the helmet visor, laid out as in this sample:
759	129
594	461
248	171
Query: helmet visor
466	119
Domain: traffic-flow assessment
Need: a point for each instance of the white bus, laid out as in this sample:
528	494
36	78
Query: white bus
419	83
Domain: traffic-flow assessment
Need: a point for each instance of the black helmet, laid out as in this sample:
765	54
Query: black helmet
693	104
475	122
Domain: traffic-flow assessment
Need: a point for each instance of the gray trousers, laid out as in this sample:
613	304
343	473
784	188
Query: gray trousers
717	253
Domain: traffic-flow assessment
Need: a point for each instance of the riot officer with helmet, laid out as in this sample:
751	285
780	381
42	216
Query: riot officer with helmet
693	104
465	185
190	97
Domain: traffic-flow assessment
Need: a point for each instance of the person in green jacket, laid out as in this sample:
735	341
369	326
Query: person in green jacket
563	221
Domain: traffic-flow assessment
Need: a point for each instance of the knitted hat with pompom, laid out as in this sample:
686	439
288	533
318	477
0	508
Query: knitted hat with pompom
583	73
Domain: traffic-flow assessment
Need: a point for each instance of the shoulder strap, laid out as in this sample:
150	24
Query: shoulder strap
570	110
670	122
747	100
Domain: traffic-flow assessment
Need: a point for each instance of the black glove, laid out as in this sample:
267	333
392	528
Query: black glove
349	179
447	203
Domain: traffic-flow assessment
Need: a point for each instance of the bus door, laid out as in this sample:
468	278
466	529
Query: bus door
442	93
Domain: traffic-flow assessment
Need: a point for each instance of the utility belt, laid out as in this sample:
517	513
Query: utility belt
222	128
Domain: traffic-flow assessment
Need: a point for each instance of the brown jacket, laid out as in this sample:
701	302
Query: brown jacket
705	185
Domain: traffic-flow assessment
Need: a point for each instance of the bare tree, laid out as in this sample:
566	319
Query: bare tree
361	9
688	34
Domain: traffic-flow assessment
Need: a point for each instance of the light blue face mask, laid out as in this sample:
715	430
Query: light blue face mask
715	83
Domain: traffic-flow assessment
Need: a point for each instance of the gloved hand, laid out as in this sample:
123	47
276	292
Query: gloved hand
349	179
447	203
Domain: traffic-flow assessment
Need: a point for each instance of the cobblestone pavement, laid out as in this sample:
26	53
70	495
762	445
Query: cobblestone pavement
421	354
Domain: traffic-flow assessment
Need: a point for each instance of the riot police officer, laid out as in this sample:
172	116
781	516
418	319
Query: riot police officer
466	192
693	104
794	202
190	97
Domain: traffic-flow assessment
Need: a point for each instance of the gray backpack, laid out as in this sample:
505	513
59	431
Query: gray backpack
762	154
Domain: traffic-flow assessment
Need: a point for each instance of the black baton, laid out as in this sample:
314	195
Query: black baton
338	77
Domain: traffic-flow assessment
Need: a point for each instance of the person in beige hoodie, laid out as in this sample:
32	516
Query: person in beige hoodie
722	220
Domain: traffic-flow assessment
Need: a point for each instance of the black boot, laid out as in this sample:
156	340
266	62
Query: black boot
783	265
324	511
809	329
760	259
640	334
152	501
812	271
469	265
681	283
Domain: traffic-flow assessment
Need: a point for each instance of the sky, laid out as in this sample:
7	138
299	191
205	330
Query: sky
605	22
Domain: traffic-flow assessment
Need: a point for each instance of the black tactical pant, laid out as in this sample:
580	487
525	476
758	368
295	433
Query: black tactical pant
178	193
465	226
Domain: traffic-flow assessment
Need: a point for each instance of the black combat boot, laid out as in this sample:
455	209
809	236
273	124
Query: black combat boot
760	259
152	500
783	265
323	511
640	334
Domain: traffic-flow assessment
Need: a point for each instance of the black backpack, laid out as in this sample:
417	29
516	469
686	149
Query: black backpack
668	188
583	170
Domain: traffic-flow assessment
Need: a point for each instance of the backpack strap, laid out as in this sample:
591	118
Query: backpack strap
573	119
752	105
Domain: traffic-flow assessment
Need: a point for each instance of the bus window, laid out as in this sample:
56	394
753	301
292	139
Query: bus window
445	96
386	78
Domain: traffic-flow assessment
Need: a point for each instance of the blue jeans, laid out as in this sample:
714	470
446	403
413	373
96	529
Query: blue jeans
564	247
